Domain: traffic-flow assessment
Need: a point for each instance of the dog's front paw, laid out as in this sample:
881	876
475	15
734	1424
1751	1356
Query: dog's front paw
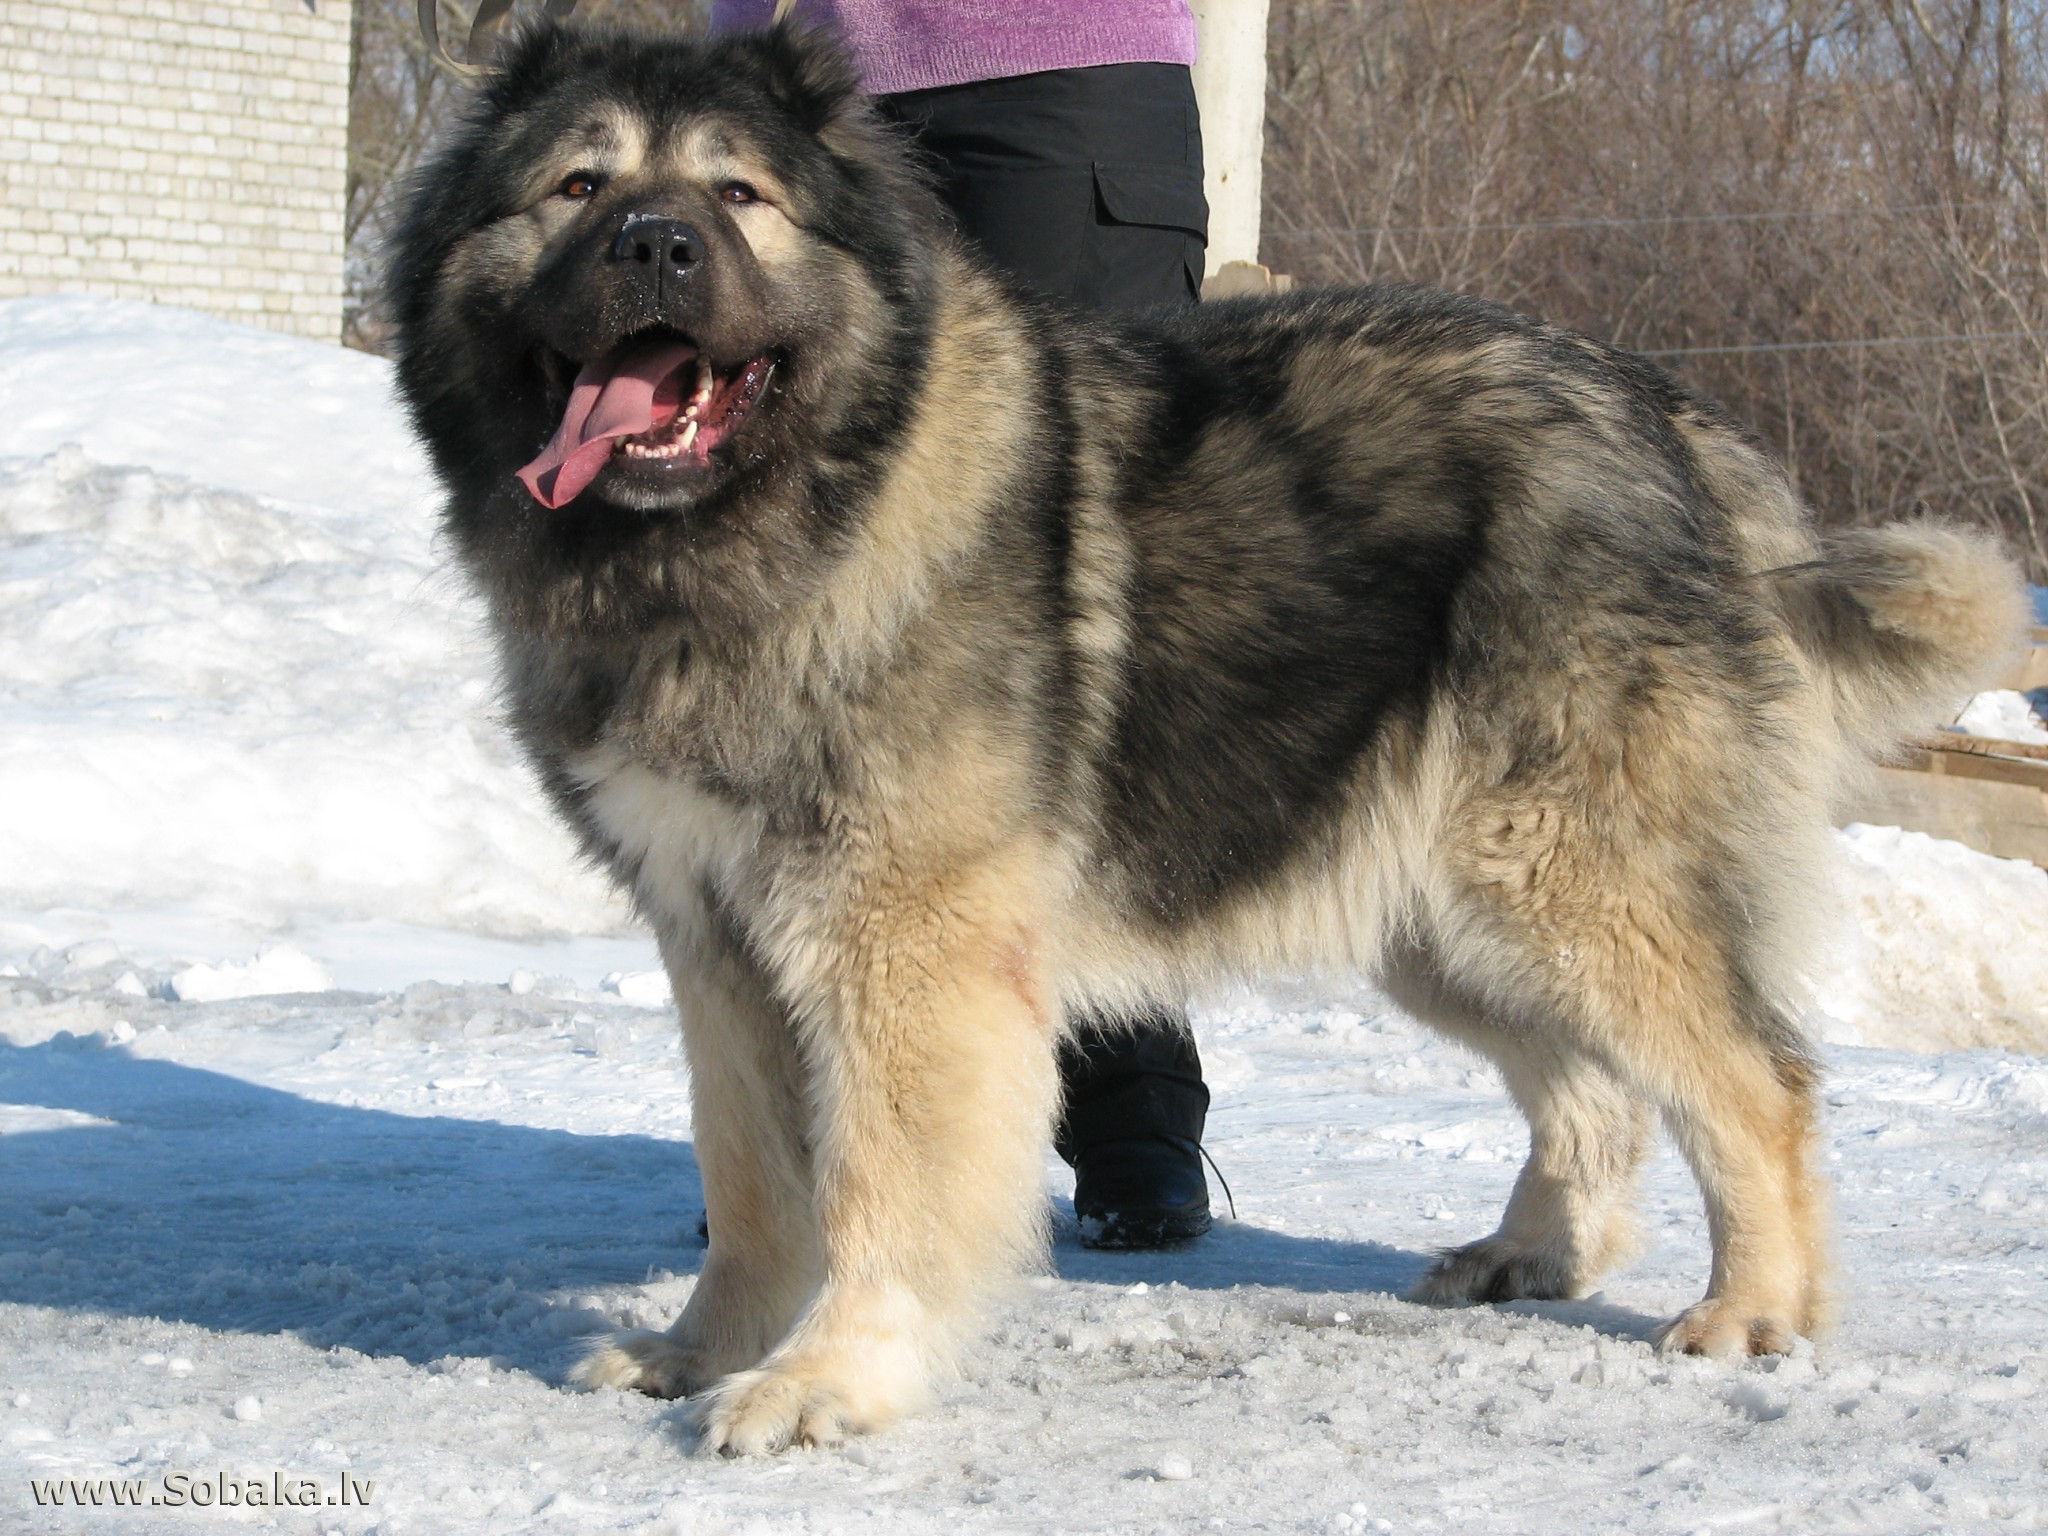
655	1363
1724	1327
1495	1269
756	1413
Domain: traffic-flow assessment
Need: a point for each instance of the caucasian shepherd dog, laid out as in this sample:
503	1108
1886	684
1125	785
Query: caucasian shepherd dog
931	662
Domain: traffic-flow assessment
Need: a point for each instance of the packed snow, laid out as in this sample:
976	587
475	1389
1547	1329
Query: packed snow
338	1105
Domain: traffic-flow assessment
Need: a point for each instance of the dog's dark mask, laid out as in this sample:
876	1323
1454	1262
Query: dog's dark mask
646	267
659	334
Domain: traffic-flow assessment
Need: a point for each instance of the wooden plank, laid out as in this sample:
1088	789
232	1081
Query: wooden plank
1992	815
2033	671
1978	746
1968	765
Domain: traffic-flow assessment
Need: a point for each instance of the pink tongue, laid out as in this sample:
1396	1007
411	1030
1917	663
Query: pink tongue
631	391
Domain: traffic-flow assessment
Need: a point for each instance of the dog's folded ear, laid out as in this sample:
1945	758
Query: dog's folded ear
527	57
811	72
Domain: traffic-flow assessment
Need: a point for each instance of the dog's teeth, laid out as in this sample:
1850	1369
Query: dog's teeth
689	437
704	381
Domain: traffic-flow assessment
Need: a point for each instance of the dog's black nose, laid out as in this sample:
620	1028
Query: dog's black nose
662	247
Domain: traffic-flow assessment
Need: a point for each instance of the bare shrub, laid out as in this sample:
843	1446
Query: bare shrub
1743	185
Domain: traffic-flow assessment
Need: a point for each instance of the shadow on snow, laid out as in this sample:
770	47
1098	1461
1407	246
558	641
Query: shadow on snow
238	1207
235	1207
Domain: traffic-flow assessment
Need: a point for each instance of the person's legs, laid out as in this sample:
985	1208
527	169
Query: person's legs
1086	184
1082	183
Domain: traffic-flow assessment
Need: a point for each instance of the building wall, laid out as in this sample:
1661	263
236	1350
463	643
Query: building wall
182	151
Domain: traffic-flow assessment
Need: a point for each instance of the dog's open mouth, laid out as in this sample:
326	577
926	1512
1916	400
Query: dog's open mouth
653	398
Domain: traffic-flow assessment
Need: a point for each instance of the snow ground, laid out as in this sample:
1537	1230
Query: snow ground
389	1219
246	744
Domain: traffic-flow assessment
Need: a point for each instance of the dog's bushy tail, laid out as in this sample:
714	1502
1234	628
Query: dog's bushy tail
1899	624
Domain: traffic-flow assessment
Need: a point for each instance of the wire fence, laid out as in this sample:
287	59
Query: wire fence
1901	211
1906	210
1833	346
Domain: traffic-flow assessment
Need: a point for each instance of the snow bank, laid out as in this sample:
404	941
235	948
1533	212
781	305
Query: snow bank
2003	713
215	403
257	695
1946	948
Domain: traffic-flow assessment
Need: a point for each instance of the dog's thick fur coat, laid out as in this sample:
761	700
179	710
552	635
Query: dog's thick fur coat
1004	661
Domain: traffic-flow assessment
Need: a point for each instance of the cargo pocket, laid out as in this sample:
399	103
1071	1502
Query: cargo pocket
1151	225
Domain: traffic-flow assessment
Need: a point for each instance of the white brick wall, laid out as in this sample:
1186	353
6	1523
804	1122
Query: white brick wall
178	151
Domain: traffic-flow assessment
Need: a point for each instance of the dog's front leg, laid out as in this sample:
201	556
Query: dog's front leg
750	1124
927	1034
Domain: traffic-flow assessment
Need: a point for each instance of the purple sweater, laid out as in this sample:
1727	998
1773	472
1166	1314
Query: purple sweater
909	45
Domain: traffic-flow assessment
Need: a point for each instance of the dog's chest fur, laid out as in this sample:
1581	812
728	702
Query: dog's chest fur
677	845
694	775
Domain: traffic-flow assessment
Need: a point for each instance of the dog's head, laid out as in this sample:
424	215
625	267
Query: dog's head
647	274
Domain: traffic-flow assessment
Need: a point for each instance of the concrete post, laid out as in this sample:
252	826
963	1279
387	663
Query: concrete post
1230	87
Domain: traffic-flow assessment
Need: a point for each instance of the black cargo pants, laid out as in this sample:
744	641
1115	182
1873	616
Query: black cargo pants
1087	185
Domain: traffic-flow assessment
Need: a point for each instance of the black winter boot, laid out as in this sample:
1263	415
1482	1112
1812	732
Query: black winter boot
1135	1104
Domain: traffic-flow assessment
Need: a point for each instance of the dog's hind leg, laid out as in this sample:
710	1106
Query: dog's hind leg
1744	1116
748	1119
928	1032
1668	994
1569	1218
1639	975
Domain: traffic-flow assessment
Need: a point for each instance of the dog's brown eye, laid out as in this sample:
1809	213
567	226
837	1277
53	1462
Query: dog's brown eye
582	184
737	192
